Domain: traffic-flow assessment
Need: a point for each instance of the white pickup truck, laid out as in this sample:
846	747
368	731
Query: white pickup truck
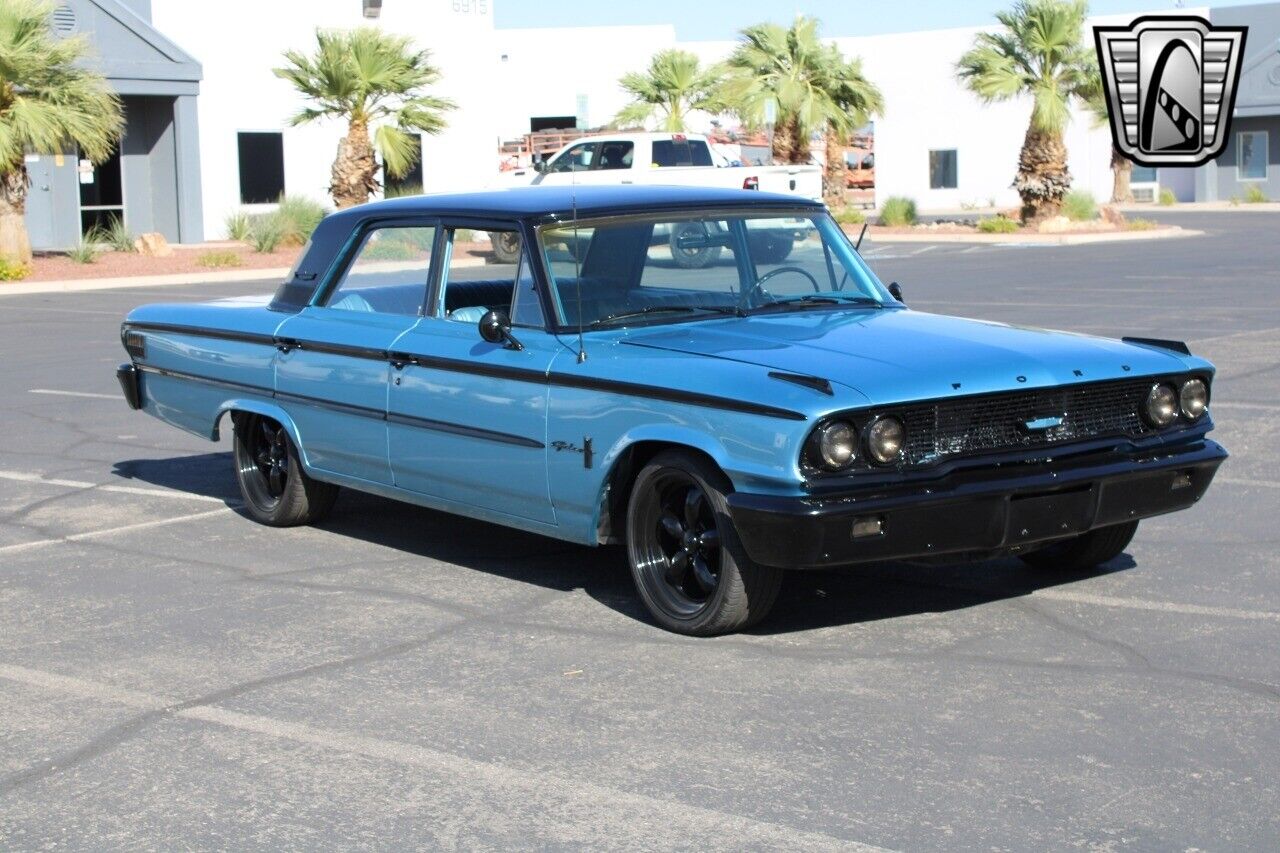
684	159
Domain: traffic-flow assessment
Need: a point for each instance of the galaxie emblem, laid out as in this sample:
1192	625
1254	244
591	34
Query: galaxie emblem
1171	85
1042	424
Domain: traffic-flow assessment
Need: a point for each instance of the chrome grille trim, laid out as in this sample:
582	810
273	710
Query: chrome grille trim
947	429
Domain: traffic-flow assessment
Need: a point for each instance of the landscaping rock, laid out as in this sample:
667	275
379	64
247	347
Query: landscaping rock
1112	216
153	245
1056	225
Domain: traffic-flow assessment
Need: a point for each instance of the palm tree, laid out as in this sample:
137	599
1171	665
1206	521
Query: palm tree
811	85
48	104
672	87
1038	54
373	80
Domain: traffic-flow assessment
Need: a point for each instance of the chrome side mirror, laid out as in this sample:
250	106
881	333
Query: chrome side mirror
495	328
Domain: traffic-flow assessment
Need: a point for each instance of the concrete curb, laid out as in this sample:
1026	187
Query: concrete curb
86	284
81	285
1036	239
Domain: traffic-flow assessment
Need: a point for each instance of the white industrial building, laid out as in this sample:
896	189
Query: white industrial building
507	82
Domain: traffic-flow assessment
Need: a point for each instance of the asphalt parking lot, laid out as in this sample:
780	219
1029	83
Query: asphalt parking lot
173	675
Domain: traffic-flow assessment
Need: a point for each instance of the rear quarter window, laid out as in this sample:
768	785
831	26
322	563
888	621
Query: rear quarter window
681	152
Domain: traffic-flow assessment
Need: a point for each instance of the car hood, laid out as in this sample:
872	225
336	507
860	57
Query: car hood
896	355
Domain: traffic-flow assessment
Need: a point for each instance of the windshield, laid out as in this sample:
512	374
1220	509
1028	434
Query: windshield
652	269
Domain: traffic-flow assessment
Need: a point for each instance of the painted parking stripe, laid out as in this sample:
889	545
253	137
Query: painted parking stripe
1254	407
1076	597
518	783
36	479
112	531
89	394
1243	481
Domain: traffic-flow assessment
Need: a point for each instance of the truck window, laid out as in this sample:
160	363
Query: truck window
681	152
576	159
616	155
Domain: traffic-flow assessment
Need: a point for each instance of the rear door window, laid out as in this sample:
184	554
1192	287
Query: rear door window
389	273
681	152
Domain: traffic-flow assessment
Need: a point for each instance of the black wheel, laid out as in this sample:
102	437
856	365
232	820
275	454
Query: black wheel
1084	551
276	491
506	247
767	248
688	565
692	258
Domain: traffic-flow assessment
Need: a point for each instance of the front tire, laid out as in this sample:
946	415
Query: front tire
689	568
276	491
1084	551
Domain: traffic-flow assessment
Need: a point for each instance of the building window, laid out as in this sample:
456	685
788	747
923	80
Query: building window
1142	175
942	169
261	167
1251	155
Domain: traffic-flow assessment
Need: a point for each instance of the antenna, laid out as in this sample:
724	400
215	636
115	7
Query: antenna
577	262
858	245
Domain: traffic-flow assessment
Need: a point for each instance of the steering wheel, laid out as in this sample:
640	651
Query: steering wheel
759	285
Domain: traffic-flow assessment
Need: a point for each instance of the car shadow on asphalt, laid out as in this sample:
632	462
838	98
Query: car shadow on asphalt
808	600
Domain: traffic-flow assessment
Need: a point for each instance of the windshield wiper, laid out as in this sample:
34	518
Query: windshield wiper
820	299
666	309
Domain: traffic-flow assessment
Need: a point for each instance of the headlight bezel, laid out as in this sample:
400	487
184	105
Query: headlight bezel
817	455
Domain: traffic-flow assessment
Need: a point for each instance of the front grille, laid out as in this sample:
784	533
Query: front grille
992	423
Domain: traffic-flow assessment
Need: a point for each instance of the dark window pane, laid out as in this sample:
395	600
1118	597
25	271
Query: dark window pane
616	155
942	169
389	275
1252	151
681	152
261	167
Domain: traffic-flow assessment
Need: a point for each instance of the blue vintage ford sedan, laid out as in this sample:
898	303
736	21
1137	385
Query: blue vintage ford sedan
714	379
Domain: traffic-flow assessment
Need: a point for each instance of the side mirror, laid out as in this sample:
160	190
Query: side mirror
495	328
896	291
539	166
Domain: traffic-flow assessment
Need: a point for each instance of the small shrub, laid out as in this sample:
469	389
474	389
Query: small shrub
898	210
1255	195
1167	198
1234	201
11	271
464	235
850	216
239	226
391	250
218	259
1142	224
1079	206
267	233
298	217
86	251
1000	224
116	235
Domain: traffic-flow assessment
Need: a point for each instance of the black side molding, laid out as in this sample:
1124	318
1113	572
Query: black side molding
1174	346
817	383
129	383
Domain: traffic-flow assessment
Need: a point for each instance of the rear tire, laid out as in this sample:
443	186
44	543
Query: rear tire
692	259
688	565
1085	551
767	248
506	246
276	491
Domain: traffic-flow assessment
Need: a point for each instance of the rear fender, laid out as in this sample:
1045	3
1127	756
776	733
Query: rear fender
268	410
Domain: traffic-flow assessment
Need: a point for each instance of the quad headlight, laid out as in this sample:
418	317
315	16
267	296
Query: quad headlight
1161	406
836	445
885	437
1193	398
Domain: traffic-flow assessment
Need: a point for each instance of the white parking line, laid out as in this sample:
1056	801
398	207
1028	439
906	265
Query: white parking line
1257	407
1159	606
586	798
36	479
88	394
95	534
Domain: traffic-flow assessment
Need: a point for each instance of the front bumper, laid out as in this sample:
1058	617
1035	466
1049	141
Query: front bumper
979	510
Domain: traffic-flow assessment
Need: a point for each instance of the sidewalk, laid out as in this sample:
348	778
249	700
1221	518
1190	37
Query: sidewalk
1034	238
